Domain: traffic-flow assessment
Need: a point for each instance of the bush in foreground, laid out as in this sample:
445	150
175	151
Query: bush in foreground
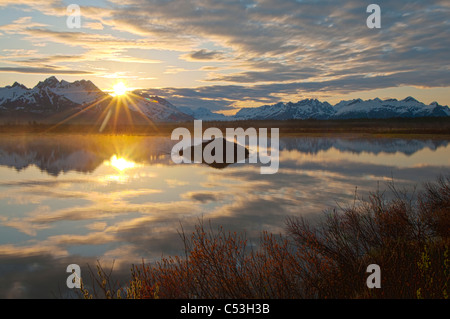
408	237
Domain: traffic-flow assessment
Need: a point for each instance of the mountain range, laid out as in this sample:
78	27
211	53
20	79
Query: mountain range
83	102
352	109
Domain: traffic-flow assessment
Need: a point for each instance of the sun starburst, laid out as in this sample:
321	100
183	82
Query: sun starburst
119	89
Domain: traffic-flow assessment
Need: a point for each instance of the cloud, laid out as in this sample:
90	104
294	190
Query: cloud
93	26
267	49
18	53
172	183
202	55
20	24
269	72
203	196
225	97
8	250
174	70
97	226
287	47
94	238
49	70
119	223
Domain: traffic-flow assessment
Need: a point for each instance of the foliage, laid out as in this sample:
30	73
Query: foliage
407	236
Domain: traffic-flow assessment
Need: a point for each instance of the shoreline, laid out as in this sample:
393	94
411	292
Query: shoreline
385	128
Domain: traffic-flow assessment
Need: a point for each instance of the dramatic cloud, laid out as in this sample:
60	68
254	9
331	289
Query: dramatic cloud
227	54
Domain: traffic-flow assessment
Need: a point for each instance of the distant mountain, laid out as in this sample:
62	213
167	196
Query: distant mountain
353	109
305	109
156	108
81	102
389	108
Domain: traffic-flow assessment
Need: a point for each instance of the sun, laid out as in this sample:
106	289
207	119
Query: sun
120	163
119	89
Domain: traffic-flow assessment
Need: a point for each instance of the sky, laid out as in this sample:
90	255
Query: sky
225	55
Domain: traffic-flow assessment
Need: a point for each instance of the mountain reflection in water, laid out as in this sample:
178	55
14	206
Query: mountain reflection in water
61	154
77	199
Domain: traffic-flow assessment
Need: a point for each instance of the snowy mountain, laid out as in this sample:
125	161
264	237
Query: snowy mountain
48	96
156	108
353	109
305	109
389	108
11	93
82	102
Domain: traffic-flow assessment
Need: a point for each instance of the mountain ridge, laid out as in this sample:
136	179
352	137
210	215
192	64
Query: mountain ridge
85	154
82	101
52	98
346	109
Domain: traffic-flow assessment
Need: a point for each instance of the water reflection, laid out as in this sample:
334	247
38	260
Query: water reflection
75	199
120	163
56	154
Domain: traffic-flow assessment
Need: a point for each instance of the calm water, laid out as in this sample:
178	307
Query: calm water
78	199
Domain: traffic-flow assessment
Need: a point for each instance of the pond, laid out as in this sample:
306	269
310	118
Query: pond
75	199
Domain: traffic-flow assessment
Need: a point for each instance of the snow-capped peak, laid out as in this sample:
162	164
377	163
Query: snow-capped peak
389	108
48	95
304	109
49	82
17	84
79	92
410	99
356	108
9	93
52	95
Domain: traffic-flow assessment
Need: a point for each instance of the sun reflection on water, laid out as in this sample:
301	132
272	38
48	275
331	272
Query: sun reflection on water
120	163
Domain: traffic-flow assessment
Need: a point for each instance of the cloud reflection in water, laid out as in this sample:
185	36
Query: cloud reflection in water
74	200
